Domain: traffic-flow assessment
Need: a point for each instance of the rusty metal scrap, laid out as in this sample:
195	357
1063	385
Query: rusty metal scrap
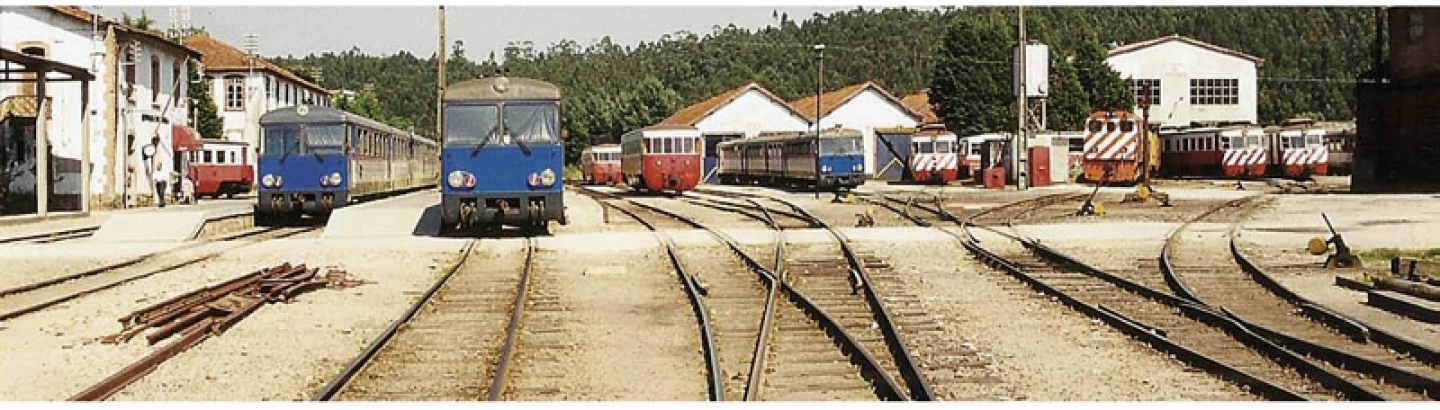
208	311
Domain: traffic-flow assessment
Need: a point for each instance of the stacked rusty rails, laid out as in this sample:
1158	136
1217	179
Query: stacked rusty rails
798	355
1190	332
205	312
45	292
693	292
1199	260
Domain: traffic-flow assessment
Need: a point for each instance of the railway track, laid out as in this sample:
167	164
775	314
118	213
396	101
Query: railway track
455	343
1190	332
1201	264
31	297
795	356
51	237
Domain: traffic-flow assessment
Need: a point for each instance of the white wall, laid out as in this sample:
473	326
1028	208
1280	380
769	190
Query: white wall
866	112
1175	63
752	113
142	113
68	41
244	124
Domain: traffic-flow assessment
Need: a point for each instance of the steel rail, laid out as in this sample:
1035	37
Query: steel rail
512	330
1404	378
47	235
328	391
1219	318
885	387
23	310
915	380
754	386
128	262
715	379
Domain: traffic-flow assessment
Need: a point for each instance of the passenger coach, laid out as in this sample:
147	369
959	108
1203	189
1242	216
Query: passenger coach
502	156
600	164
933	156
661	158
790	159
314	159
221	168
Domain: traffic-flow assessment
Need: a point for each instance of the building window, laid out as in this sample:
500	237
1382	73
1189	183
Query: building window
1214	91
1417	26
154	80
175	76
129	76
1139	87
234	93
268	92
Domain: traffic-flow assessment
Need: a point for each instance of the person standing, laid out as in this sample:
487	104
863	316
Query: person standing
162	178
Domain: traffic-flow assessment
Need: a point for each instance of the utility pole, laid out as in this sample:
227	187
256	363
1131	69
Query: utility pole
1018	164
819	85
440	83
1145	135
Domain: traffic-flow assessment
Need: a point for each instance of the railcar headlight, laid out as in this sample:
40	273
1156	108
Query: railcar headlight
547	177
335	179
533	179
857	167
325	180
268	181
279	181
825	169
460	179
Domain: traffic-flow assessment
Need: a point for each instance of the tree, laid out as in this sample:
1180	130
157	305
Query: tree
143	22
970	81
1105	89
207	119
1068	105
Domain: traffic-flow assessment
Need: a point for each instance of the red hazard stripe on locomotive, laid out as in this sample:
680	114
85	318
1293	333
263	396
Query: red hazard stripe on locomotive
934	162
1244	157
1306	156
1111	145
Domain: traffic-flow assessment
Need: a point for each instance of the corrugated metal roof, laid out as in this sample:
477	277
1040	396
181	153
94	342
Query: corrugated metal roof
834	99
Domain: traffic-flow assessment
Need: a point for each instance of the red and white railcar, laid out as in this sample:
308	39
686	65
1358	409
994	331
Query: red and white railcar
971	148
1229	152
221	168
933	156
661	158
600	164
1297	149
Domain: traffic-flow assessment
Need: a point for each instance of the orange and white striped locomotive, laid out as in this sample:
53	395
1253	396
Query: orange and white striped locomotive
1113	144
934	156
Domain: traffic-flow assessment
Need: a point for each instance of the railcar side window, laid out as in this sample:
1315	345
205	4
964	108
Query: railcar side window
689	145
1225	143
470	124
1312	140
944	147
1252	141
533	122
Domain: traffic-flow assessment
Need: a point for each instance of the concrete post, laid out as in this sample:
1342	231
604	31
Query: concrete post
84	147
42	145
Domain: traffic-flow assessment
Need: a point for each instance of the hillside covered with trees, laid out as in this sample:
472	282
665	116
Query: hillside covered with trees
1310	55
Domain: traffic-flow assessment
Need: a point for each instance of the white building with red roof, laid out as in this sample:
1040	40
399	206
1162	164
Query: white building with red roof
1191	80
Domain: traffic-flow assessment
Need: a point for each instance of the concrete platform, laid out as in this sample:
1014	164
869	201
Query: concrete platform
413	214
155	226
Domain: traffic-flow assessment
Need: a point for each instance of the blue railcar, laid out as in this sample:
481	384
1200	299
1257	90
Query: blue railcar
790	159
314	159
502	155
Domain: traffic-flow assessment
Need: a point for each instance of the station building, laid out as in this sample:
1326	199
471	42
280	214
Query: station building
245	87
132	111
1191	80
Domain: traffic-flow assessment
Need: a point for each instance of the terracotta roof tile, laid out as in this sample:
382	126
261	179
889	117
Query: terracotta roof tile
695	113
834	99
1259	62
219	56
79	14
920	103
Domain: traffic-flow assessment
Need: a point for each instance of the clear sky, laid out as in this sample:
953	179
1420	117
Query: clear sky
383	30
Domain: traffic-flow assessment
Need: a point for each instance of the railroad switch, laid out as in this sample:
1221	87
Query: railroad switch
1342	258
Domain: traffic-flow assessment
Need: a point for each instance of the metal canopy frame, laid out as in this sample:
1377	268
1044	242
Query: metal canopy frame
41	68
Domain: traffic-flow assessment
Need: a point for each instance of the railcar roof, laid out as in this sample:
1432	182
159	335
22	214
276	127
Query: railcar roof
494	88
315	114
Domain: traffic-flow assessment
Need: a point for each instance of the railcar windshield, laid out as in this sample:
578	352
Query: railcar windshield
471	124
1252	141
944	147
280	139
325	139
532	123
1312	140
840	146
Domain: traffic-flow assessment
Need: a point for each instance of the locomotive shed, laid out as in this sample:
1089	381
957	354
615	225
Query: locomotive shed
608	317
